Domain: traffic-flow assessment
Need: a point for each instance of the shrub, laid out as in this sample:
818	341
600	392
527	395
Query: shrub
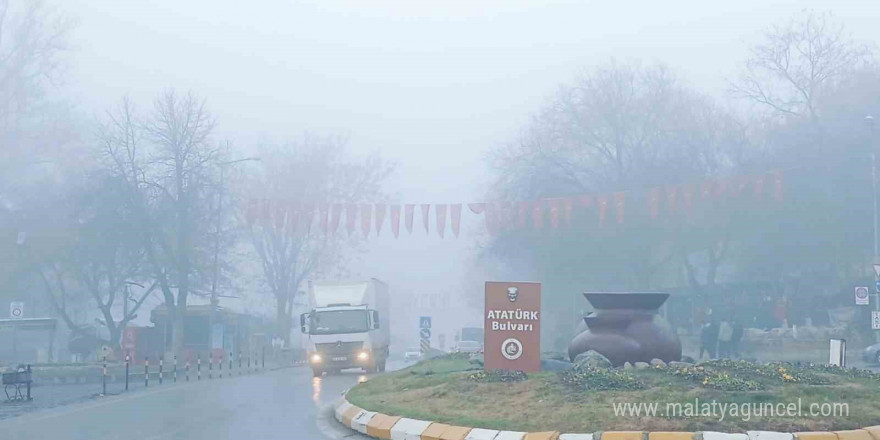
497	376
591	378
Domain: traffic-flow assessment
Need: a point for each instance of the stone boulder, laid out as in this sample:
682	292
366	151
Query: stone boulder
655	362
593	359
642	365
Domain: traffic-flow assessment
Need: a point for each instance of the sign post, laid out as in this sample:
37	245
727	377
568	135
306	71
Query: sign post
425	334
512	325
875	319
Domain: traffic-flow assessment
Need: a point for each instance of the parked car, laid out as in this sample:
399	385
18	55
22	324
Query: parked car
871	354
412	354
469	347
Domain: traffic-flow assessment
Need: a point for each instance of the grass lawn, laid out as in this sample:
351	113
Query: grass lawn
452	390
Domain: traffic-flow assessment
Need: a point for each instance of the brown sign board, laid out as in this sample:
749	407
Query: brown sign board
512	323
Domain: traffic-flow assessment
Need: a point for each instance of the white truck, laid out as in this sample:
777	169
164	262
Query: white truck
348	325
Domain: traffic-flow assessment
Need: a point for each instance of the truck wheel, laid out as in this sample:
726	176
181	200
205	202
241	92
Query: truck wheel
316	372
382	366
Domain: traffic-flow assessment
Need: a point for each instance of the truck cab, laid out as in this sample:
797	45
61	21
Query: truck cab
346	327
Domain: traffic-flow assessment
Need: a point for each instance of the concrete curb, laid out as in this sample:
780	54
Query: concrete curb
385	427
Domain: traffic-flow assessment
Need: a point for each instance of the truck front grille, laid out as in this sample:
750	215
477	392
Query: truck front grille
339	348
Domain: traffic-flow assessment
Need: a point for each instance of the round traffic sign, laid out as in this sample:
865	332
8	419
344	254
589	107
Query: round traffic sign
861	292
16	312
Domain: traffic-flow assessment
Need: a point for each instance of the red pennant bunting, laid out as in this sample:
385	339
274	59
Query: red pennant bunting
456	218
585	201
350	215
538	214
759	187
777	185
324	211
567	208
477	208
395	220
409	217
380	217
654	202
603	207
619	199
554	212
335	216
426	211
366	219
721	188
688	193
251	212
441	219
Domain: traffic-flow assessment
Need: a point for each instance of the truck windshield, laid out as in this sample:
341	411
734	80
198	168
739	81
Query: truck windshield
339	321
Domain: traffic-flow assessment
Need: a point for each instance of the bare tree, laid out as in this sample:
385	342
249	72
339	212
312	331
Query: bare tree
798	64
300	179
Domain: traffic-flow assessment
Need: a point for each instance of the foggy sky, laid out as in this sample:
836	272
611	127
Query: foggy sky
430	84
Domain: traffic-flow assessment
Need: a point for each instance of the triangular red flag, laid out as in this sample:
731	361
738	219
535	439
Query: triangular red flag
456	218
350	216
688	193
603	207
759	187
441	219
426	211
619	202
366	218
380	217
395	220
409	217
335	216
538	214
554	212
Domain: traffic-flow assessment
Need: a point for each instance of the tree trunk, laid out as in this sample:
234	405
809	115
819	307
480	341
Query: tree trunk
282	318
177	328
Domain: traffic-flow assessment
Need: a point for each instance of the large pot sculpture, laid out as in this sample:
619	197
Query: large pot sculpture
626	328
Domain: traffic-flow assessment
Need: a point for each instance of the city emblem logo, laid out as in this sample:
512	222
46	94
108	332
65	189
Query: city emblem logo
511	349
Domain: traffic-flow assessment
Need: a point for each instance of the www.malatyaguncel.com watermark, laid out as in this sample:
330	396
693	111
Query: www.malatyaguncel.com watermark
727	410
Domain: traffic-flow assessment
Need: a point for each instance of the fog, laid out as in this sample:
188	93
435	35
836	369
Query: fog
434	88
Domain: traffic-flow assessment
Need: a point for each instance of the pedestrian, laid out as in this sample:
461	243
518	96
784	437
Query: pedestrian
725	335
708	339
736	337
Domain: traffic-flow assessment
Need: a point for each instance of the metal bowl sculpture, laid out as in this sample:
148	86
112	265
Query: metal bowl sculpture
625	327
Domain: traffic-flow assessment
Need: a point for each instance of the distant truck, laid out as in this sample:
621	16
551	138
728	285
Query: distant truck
348	325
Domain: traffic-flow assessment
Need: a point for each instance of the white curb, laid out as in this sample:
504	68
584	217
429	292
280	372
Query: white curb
577	437
341	409
769	435
510	435
409	429
360	422
712	435
481	434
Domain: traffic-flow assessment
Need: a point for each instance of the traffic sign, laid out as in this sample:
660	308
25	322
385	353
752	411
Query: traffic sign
875	319
425	333
861	294
877	270
424	322
877	286
16	310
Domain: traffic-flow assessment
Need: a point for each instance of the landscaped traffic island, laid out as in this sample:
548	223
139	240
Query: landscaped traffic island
726	396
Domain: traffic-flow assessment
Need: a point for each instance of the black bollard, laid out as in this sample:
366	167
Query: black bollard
199	367
161	364
187	370
220	366
127	363
146	371
263	355
230	363
29	382
210	366
239	363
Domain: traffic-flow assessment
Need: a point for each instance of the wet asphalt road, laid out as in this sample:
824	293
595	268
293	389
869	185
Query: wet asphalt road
281	404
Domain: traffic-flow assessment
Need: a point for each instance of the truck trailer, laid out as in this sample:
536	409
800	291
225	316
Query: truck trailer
347	326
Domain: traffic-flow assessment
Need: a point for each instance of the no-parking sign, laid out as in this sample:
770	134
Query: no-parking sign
16	310
861	293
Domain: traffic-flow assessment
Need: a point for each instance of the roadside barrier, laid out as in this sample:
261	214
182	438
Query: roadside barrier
385	427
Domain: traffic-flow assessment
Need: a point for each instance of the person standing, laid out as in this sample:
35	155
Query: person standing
725	335
735	338
708	339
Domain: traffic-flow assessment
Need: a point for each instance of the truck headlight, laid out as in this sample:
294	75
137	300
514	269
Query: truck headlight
316	358
363	356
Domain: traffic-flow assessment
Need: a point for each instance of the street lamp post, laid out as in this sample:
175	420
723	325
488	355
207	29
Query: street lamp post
869	121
